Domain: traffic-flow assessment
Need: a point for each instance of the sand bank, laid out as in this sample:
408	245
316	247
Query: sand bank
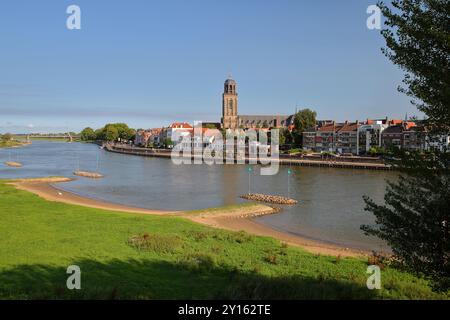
44	189
13	164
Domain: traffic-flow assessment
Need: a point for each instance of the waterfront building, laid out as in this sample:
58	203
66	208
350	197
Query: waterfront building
414	137
394	135
147	137
346	138
176	131
309	139
326	136
439	142
369	135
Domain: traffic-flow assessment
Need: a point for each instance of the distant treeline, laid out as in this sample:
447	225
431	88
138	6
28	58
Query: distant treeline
110	132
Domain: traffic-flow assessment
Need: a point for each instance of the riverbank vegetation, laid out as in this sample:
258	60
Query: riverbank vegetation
415	218
7	141
137	256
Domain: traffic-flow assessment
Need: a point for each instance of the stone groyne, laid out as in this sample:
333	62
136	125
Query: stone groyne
92	175
269	198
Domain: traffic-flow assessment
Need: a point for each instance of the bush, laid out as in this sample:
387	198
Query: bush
198	262
239	237
161	243
271	258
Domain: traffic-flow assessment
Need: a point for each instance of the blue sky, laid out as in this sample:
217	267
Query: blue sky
149	63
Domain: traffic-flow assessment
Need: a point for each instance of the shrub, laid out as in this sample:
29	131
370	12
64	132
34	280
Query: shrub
377	259
198	261
270	257
161	243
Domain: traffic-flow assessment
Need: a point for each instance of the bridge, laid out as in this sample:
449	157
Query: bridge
67	136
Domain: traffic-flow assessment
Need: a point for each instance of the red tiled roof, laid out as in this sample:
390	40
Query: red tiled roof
395	122
348	127
183	125
326	128
409	124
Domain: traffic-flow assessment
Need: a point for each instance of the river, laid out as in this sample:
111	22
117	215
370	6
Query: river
330	204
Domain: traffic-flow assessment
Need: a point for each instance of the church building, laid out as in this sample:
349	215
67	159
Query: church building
231	119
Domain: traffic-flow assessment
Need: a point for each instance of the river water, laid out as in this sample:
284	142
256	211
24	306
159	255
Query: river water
330	204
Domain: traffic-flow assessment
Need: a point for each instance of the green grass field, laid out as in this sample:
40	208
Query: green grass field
177	259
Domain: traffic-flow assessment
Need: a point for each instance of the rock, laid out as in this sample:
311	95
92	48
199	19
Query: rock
93	175
269	198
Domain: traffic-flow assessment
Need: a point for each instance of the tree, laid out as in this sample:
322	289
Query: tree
168	142
111	133
88	134
123	131
417	40
415	217
286	137
6	137
304	119
100	134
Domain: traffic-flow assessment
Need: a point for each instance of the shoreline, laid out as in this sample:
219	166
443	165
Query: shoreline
233	218
340	164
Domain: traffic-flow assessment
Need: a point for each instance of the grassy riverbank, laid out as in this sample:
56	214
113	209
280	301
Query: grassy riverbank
176	258
11	143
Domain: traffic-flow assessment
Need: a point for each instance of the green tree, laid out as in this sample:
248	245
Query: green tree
415	217
417	40
286	137
124	132
6	137
100	134
111	133
304	119
168	142
88	134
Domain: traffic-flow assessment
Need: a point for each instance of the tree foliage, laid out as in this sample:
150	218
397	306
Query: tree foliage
114	132
415	220
111	133
88	134
6	137
418	40
304	119
415	217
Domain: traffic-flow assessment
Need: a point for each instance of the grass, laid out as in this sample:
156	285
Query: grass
180	260
241	207
10	143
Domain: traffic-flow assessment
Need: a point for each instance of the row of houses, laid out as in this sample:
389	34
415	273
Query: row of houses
327	136
170	135
359	137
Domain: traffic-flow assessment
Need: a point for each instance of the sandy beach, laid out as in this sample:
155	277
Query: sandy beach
236	219
44	189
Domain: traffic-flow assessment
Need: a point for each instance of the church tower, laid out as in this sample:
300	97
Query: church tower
229	105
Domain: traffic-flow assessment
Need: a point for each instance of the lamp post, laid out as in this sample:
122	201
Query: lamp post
249	170
289	173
